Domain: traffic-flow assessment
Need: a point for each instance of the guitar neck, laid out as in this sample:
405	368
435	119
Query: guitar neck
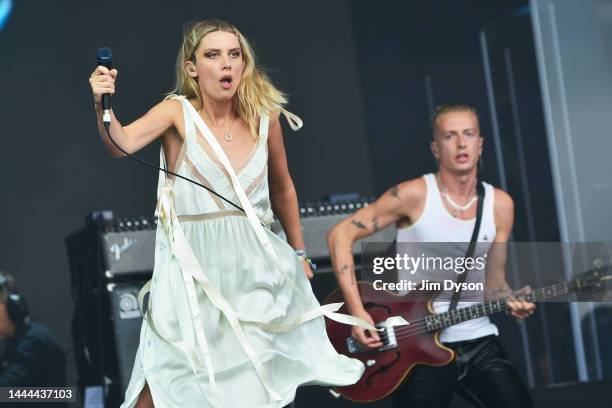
446	319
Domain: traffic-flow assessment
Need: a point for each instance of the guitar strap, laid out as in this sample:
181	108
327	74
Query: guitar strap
480	192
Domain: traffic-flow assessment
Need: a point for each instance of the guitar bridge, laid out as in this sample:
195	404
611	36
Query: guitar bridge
387	336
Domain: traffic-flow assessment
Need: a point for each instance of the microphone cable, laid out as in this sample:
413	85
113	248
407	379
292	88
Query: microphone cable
146	163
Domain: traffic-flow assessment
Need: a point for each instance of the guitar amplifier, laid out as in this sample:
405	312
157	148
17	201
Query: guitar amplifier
126	322
318	219
128	246
109	261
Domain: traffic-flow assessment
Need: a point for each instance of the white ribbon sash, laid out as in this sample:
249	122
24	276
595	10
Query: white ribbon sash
325	310
191	271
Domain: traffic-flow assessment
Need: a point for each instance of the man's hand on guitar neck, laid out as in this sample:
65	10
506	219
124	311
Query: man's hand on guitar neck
518	305
519	308
497	286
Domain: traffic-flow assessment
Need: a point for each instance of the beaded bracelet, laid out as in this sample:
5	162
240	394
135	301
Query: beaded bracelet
302	255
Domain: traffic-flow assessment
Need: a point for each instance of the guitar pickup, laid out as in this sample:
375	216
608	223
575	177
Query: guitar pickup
387	336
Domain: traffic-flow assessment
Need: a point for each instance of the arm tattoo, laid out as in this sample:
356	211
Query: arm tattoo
500	291
358	224
345	268
375	224
395	192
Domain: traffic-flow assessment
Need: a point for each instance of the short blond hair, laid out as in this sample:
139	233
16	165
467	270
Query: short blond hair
448	108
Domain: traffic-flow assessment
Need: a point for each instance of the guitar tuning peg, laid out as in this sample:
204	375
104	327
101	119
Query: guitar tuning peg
597	263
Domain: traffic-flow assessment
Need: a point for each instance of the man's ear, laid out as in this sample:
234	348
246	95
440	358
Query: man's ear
434	150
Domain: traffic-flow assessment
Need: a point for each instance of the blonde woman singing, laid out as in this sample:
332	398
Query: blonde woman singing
231	320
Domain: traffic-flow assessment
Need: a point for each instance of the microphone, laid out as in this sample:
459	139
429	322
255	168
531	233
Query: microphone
105	58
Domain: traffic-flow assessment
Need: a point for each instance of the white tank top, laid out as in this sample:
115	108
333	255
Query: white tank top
436	224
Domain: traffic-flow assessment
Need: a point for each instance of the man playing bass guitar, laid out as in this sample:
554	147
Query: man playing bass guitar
442	207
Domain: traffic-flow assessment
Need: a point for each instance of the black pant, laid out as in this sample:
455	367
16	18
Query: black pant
482	374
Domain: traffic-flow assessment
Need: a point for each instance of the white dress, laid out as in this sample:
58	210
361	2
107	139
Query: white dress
231	320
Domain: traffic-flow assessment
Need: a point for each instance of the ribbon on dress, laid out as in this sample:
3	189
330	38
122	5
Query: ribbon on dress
326	310
196	356
191	271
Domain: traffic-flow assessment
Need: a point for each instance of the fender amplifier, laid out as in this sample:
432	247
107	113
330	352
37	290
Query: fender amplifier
128	246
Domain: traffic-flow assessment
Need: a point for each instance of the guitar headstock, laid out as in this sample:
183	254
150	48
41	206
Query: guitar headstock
594	280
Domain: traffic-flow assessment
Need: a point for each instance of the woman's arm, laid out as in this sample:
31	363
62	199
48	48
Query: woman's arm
139	133
282	191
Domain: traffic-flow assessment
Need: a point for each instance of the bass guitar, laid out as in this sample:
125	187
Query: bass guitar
388	366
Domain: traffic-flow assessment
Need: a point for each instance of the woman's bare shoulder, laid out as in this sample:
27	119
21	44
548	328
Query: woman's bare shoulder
170	107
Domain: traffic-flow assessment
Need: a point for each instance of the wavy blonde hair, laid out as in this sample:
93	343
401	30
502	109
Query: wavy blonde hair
255	95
